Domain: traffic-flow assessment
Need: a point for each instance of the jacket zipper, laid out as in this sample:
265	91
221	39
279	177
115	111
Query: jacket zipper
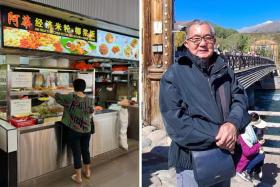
217	76
210	88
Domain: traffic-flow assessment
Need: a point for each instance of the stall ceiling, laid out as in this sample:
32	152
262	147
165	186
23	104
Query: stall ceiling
68	15
124	12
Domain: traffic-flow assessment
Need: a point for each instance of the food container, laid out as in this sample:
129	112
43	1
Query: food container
119	68
40	120
35	62
63	63
23	121
50	62
13	59
38	81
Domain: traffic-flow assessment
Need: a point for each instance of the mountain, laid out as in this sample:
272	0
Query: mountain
266	27
178	25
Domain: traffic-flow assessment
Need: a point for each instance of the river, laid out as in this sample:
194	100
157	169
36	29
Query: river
269	100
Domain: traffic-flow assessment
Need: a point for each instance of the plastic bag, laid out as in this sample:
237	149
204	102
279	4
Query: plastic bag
123	113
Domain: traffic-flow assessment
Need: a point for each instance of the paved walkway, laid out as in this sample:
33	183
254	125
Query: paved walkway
156	160
271	174
155	172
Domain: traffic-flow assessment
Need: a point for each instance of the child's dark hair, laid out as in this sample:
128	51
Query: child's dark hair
255	116
79	85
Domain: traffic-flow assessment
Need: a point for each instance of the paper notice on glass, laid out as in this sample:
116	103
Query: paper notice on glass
20	106
21	80
3	78
63	79
88	77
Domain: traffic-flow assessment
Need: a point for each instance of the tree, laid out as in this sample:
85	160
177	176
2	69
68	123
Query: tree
265	52
235	42
244	43
179	38
223	33
227	39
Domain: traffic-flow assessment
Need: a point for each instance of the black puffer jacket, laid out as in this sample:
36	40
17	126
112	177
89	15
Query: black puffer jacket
191	107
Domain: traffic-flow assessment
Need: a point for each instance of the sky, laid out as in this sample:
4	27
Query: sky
228	14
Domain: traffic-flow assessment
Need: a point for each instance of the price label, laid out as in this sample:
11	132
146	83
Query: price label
3	77
88	77
20	106
63	79
21	80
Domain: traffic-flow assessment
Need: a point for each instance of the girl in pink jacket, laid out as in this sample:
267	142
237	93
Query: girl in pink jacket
252	157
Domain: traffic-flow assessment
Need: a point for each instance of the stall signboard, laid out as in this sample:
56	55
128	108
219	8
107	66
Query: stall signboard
22	29
40	25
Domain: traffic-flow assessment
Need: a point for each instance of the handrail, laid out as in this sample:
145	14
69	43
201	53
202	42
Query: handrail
270	150
266	113
275	125
238	62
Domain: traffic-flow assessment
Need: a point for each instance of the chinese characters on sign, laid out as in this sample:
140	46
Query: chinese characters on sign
35	22
26	30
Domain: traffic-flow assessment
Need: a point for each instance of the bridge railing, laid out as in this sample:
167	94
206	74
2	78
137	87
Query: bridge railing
276	138
238	62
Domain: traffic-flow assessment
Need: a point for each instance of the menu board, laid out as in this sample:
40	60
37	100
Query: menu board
27	30
117	46
20	106
21	79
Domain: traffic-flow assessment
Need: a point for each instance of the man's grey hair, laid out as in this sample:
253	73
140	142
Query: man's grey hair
199	22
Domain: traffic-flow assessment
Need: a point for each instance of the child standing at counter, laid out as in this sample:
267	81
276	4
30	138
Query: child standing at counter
76	118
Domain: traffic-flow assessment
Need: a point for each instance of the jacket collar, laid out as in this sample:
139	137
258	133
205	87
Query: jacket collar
185	56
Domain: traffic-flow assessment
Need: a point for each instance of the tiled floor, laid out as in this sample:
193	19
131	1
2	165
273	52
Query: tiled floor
120	172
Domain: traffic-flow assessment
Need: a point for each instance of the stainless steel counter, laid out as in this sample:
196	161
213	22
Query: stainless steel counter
133	122
42	148
50	122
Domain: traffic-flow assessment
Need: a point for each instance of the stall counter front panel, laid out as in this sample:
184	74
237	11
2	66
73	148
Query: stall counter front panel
43	147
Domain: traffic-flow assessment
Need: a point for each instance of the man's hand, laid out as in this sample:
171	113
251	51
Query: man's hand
49	93
227	136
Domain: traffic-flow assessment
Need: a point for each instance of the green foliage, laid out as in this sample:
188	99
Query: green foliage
179	38
223	33
227	39
266	51
231	40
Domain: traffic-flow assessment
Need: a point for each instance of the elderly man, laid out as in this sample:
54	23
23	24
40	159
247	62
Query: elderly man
190	102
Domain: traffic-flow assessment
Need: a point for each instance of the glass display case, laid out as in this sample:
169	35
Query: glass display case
133	83
23	101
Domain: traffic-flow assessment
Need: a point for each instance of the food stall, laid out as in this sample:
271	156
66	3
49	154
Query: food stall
41	53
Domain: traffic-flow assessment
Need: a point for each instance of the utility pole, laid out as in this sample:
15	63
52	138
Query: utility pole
157	48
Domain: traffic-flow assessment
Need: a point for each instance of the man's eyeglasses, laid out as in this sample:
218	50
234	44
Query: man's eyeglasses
197	39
